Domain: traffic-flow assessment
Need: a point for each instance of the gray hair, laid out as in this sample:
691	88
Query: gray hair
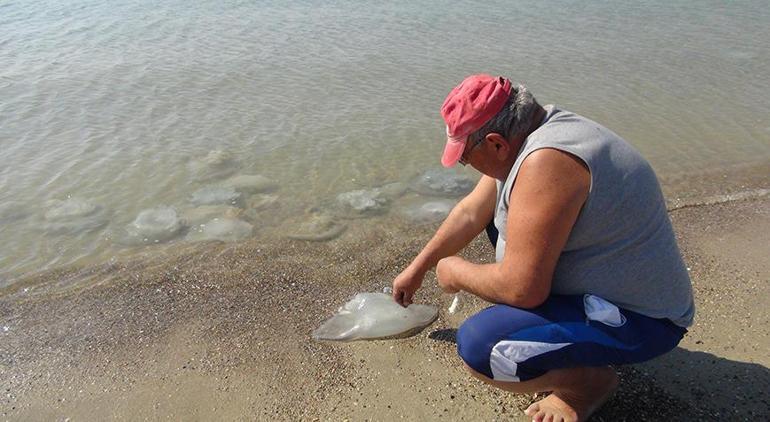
514	119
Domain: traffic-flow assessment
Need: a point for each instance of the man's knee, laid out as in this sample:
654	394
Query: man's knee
474	349
479	334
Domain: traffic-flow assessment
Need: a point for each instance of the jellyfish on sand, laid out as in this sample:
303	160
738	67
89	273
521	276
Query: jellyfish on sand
250	183
261	201
12	211
373	316
216	165
428	212
443	183
393	190
73	215
215	195
317	228
204	213
257	203
362	202
152	225
224	229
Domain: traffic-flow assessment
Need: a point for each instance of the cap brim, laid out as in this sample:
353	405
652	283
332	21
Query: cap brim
452	152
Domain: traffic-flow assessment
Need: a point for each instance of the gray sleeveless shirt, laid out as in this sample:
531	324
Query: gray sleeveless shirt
622	247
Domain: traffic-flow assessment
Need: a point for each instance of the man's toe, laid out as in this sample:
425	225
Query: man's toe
532	409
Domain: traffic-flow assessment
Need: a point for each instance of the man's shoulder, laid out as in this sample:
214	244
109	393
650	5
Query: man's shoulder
550	171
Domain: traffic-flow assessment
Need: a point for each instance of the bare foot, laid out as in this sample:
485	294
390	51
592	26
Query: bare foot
576	403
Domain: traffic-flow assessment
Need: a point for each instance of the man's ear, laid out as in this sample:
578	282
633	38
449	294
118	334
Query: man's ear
499	144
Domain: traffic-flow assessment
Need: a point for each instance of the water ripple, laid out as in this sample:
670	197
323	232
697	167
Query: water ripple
109	101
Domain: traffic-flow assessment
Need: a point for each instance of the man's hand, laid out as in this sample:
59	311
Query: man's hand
466	220
405	284
444	273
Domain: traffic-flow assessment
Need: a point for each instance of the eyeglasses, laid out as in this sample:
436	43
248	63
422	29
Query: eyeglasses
467	152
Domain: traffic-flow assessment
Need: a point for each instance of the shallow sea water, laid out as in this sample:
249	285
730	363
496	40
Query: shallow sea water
120	107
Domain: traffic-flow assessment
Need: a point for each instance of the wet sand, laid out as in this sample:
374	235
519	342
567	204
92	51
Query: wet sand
222	332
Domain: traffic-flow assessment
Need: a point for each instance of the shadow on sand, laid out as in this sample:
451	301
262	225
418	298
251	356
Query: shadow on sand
681	385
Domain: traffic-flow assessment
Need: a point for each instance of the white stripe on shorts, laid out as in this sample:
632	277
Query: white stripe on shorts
507	354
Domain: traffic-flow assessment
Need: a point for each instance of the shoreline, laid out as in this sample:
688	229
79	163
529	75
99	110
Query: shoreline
222	331
733	183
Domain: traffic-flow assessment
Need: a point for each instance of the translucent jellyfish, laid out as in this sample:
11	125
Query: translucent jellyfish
261	201
152	225
224	229
428	212
443	183
204	213
13	211
370	316
69	208
257	203
362	202
317	228
215	195
216	165
73	215
248	183
393	190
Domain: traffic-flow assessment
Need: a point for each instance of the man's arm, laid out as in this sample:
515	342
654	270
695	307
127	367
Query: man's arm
466	220
550	190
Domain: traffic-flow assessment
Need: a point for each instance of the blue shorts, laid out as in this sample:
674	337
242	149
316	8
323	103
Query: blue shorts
511	344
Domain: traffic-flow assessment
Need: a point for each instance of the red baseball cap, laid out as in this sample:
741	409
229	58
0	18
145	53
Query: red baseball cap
467	108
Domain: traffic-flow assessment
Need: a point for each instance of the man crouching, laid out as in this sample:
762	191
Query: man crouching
587	274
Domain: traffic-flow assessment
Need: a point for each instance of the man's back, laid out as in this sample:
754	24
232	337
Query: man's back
622	246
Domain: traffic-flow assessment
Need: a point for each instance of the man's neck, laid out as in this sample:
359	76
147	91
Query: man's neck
537	121
517	142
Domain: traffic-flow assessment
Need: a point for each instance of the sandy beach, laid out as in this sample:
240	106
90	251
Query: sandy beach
222	332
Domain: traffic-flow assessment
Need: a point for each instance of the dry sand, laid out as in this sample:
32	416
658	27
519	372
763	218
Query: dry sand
222	332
